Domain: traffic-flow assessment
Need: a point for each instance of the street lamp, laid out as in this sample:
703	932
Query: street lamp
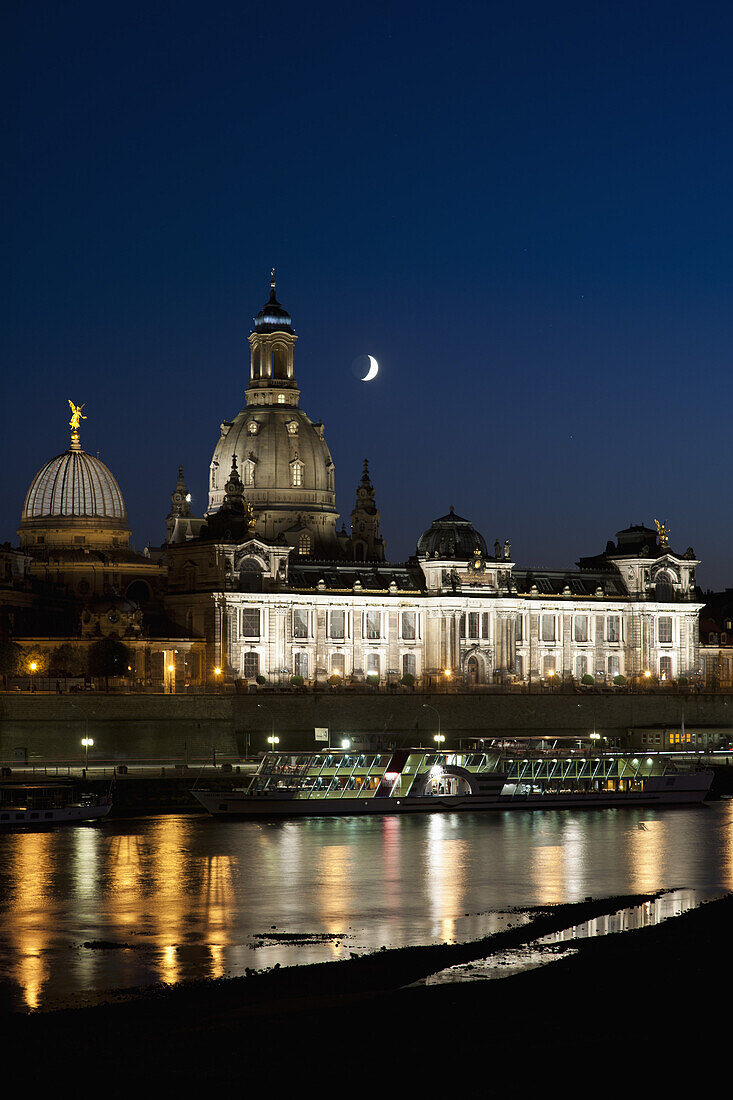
87	742
32	666
272	740
217	674
439	737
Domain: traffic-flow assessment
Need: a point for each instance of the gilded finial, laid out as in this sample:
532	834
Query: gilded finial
76	417
272	278
663	533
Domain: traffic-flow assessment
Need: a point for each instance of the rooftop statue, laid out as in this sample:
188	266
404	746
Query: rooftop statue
76	416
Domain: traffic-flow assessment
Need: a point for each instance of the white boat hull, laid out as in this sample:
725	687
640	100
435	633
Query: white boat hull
12	818
686	789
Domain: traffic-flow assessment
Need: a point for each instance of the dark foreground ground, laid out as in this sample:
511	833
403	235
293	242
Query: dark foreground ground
650	1006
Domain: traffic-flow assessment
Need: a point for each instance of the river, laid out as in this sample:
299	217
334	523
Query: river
87	910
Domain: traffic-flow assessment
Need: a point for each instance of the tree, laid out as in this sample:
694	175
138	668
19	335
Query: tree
67	660
108	657
10	655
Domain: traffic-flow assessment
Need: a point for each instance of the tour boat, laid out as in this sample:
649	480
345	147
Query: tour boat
42	804
340	781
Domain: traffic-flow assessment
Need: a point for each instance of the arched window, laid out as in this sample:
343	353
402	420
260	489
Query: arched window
250	576
250	665
280	361
304	544
665	668
296	469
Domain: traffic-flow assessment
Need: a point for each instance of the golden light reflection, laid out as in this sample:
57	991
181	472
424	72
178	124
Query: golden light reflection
32	970
445	872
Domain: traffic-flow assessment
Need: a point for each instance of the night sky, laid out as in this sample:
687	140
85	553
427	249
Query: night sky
522	210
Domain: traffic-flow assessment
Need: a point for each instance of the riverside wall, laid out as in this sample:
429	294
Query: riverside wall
172	728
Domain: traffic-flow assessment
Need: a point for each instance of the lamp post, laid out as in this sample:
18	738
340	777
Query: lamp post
438	737
87	742
32	667
271	739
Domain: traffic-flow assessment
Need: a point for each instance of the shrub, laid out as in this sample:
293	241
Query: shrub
372	678
334	680
619	680
588	679
261	679
296	681
408	680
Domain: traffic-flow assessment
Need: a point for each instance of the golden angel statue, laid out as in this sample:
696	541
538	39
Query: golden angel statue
76	416
663	533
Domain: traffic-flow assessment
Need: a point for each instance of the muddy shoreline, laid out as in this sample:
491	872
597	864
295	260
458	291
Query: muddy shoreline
648	979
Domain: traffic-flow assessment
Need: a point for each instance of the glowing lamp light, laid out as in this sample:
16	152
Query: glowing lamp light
171	668
217	672
273	741
647	674
447	672
33	666
439	737
87	742
346	743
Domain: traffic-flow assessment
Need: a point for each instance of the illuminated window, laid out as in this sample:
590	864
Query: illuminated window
665	668
548	628
297	473
371	622
613	667
409	632
372	664
250	622
338	664
281	399
251	665
304	544
548	666
337	624
665	628
300	664
300	624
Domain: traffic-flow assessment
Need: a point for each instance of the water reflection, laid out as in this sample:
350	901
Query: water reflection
176	897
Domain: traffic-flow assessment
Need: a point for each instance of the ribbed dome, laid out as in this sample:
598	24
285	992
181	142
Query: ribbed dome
451	536
74	484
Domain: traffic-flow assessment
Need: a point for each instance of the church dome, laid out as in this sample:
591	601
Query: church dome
273	317
450	536
74	484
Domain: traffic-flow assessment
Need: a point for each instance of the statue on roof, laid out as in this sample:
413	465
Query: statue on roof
76	415
663	533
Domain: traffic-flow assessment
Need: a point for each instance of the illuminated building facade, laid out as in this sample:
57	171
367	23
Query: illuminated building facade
276	591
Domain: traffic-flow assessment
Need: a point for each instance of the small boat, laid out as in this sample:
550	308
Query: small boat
42	804
333	781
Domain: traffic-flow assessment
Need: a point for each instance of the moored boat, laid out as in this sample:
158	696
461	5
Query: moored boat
39	805
414	780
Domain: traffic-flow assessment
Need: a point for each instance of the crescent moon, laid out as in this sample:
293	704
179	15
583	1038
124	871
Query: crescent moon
373	369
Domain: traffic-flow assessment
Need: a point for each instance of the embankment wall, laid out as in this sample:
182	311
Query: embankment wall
190	727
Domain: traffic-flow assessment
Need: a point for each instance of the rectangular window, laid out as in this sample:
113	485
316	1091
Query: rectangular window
338	664
409	664
250	622
580	628
300	664
665	628
409	632
581	667
548	628
612	629
337	624
519	629
462	626
300	623
485	624
473	625
519	667
613	667
548	667
665	668
372	625
297	475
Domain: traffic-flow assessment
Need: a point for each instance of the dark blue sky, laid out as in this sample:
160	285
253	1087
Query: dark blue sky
523	210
